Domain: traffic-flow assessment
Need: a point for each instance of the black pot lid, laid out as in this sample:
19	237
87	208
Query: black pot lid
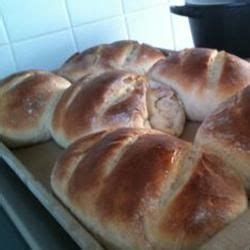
214	2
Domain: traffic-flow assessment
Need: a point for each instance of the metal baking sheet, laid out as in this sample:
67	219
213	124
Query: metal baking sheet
33	165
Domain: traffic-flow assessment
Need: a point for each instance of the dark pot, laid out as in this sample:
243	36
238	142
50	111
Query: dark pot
224	27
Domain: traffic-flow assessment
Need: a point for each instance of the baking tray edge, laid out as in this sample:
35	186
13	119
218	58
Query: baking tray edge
81	236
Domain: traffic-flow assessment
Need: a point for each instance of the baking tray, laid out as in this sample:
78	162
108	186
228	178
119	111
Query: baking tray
37	227
33	165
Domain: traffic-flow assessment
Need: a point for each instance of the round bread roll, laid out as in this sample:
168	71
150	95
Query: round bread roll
226	132
202	78
127	55
147	190
115	99
27	100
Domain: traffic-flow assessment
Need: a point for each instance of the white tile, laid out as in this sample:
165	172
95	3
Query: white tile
30	18
133	5
3	35
82	11
177	2
182	33
100	32
152	26
6	61
46	52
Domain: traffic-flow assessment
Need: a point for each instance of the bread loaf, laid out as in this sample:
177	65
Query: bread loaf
27	100
142	189
126	55
134	187
115	99
226	132
202	78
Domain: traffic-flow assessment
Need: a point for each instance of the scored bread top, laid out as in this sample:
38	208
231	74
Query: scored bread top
202	78
210	198
234	76
146	189
130	167
126	55
230	122
188	67
226	133
113	99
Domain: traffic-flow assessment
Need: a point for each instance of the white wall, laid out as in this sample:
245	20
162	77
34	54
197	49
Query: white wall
43	33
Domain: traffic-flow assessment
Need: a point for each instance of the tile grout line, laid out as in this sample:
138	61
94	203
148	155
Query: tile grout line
97	21
30	38
125	19
9	43
123	15
172	26
61	30
71	25
138	11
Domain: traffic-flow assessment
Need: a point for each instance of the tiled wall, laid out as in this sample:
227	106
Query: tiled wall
43	33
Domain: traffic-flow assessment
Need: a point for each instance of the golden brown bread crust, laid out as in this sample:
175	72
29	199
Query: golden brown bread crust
115	99
207	201
230	121
126	55
189	67
111	100
147	190
115	54
26	102
202	78
146	177
234	76
226	132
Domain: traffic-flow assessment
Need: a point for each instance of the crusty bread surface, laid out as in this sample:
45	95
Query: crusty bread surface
226	132
142	189
127	55
115	99
27	100
202	78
